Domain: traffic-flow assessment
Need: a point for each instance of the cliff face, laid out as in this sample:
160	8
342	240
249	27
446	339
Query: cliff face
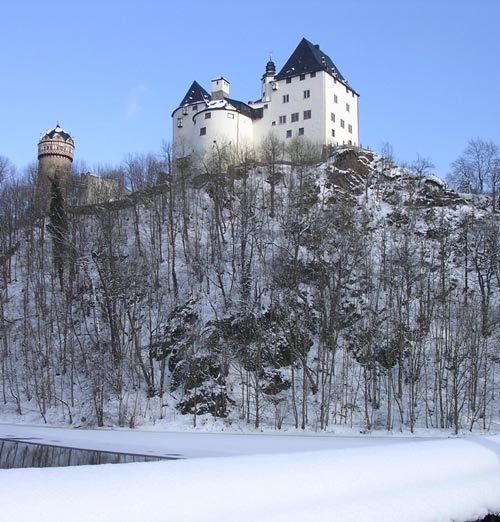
351	292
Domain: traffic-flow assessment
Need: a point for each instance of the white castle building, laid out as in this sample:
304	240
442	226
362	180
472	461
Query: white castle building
307	97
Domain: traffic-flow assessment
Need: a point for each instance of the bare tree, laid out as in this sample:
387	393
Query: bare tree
477	170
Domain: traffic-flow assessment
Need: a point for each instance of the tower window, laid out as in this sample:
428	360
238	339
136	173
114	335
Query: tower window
307	94
203	131
313	75
301	131
288	133
195	108
179	122
295	117
302	77
282	120
288	80
208	115
307	115
286	98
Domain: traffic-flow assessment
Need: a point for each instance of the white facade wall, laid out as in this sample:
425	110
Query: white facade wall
327	96
342	102
183	128
223	126
292	99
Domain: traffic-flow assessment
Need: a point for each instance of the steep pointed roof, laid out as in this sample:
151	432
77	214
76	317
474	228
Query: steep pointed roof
308	58
196	93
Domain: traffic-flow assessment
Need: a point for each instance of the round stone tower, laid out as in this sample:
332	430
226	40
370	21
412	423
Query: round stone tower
55	156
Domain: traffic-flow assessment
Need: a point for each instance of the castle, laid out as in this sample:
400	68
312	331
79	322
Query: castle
308	97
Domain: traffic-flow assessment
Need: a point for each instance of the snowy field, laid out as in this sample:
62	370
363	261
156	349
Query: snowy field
267	478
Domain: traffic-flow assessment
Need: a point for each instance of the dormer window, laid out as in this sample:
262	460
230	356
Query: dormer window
313	75
288	80
302	77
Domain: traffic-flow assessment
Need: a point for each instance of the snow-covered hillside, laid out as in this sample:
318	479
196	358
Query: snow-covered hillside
346	293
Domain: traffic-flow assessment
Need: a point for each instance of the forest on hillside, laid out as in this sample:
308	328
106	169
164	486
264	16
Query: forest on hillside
302	293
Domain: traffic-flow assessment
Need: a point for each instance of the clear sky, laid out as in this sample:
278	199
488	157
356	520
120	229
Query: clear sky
112	71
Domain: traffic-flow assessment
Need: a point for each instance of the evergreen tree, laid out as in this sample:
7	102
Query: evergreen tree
58	225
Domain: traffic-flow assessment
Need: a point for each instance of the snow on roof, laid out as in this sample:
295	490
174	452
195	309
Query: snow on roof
451	480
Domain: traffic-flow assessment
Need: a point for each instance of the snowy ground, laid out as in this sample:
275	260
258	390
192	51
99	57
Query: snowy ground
269	478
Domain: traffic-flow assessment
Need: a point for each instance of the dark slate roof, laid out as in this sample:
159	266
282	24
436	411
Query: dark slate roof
57	132
308	58
245	109
196	93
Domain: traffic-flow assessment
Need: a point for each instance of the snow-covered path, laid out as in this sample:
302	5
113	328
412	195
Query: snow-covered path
186	444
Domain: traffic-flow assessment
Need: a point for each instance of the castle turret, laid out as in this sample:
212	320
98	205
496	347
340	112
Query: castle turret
268	82
220	89
55	156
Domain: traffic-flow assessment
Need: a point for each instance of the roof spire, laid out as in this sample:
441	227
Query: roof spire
270	66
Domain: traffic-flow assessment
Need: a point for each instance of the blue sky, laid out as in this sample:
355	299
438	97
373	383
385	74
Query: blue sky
111	72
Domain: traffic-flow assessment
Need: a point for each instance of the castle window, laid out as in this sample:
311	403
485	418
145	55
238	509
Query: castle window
179	122
333	133
307	115
203	131
208	115
273	123
230	115
184	111
313	75
301	131
342	124
307	94
302	77
286	98
282	120
288	133
347	107
295	117
195	107
349	128
335	99
332	117
288	80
